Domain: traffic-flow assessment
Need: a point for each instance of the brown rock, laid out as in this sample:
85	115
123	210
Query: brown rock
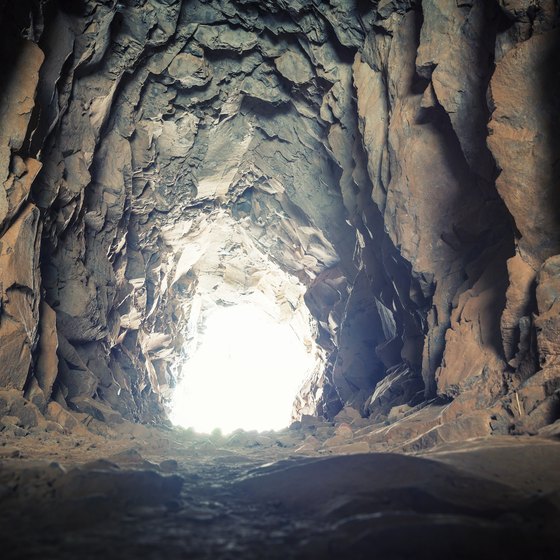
310	444
351	448
536	390
16	105
473	351
309	422
344	430
18	186
349	415
469	426
335	441
548	320
522	141
324	432
177	176
400	386
518	296
452	41
35	394
46	368
294	67
66	419
74	373
372	100
546	412
398	412
190	70
19	297
18	410
408	428
96	409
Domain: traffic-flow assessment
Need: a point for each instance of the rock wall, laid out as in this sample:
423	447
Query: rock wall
395	158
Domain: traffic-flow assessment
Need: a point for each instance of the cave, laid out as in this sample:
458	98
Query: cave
279	279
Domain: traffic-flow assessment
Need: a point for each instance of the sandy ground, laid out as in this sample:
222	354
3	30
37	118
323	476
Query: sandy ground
137	492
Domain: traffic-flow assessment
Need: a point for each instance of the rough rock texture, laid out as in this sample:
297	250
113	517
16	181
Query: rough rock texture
389	166
140	492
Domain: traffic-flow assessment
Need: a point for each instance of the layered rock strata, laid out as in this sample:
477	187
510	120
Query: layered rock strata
395	160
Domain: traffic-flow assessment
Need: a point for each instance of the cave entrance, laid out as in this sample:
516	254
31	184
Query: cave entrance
249	342
245	372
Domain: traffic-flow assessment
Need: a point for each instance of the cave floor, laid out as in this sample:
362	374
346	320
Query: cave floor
151	493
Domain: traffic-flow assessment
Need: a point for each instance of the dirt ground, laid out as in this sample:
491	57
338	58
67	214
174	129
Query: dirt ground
154	493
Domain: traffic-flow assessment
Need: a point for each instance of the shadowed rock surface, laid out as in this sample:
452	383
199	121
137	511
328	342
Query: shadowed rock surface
387	166
172	494
379	175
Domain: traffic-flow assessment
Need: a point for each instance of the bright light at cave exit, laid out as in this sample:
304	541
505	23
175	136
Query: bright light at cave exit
245	373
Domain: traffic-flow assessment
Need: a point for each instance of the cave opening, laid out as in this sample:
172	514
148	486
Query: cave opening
257	358
249	339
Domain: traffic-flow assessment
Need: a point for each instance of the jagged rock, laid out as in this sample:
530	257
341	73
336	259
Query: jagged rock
351	448
189	70
16	410
19	297
220	37
468	426
357	366
308	422
401	386
472	343
537	399
535	390
398	412
548	320
16	105
519	304
96	409
453	45
64	418
327	157
311	443
46	369
552	430
18	186
344	430
294	67
349	415
335	441
73	373
522	140
408	428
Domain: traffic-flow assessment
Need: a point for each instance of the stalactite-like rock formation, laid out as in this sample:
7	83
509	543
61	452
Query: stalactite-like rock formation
394	160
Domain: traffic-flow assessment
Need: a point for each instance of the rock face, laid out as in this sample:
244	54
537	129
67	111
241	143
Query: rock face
389	165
